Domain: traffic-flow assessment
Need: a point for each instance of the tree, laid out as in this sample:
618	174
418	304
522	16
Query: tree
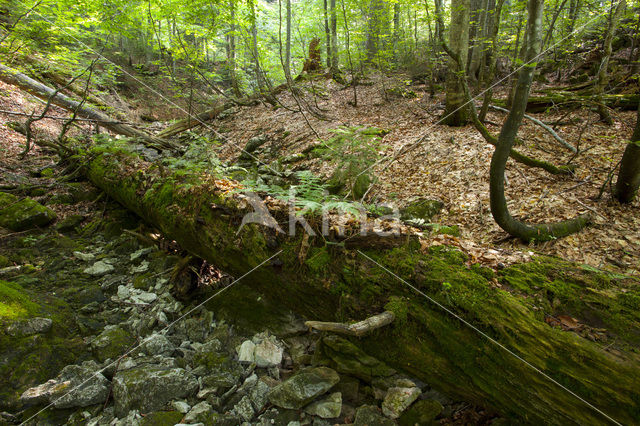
499	208
603	76
629	175
456	113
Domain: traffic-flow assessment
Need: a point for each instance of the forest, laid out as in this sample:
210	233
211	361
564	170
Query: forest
319	212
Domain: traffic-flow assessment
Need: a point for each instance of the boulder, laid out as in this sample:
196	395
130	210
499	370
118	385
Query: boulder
199	413
268	353
111	343
303	387
369	415
398	399
20	215
422	413
422	208
29	327
246	351
244	409
157	344
327	408
99	268
149	387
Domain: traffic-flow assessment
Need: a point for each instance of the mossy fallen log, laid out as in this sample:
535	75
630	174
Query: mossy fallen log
537	104
333	282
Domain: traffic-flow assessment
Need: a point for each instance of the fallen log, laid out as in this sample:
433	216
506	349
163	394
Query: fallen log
13	77
537	104
357	329
333	282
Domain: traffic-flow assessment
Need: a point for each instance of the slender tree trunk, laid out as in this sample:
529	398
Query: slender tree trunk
439	31
492	59
499	208
456	113
254	48
552	25
574	10
629	175
327	32
231	50
287	48
333	21
603	76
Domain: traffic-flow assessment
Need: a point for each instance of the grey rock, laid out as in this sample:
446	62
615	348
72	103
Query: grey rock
111	343
42	393
144	297
84	256
246	351
19	215
99	268
244	409
29	327
398	399
149	387
199	413
157	344
259	395
369	415
181	406
327	408
302	388
268	353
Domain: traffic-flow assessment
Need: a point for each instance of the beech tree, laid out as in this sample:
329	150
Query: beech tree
629	175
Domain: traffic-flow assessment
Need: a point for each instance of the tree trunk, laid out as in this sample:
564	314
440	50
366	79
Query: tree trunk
287	48
629	175
38	89
335	71
338	282
327	32
231	51
603	76
456	113
499	208
538	104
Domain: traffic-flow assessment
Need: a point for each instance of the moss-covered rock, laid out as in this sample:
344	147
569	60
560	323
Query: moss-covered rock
20	215
423	412
303	387
111	343
423	209
161	418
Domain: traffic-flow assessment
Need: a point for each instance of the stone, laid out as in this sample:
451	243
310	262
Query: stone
268	353
20	215
157	344
327	408
246	351
149	387
422	208
29	327
343	356
87	257
99	268
422	412
144	298
244	409
181	406
199	413
398	399
40	394
369	415
123	292
259	395
111	343
70	223
161	418
303	387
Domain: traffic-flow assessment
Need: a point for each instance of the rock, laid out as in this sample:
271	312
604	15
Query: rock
246	351
87	257
244	409
144	298
422	208
422	412
157	344
70	223
29	327
199	413
20	215
161	418
111	343
89	387
327	408
150	387
398	399
99	268
259	395
369	415
123	292
303	387
181	406
267	353
75	386
345	357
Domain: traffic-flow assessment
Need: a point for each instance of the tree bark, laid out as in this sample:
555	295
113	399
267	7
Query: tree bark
337	282
629	175
499	208
38	89
603	75
456	113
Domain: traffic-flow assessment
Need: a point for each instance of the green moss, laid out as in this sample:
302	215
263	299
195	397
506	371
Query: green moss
15	303
399	307
318	259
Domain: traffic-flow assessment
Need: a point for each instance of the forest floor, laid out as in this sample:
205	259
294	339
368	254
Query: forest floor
450	164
